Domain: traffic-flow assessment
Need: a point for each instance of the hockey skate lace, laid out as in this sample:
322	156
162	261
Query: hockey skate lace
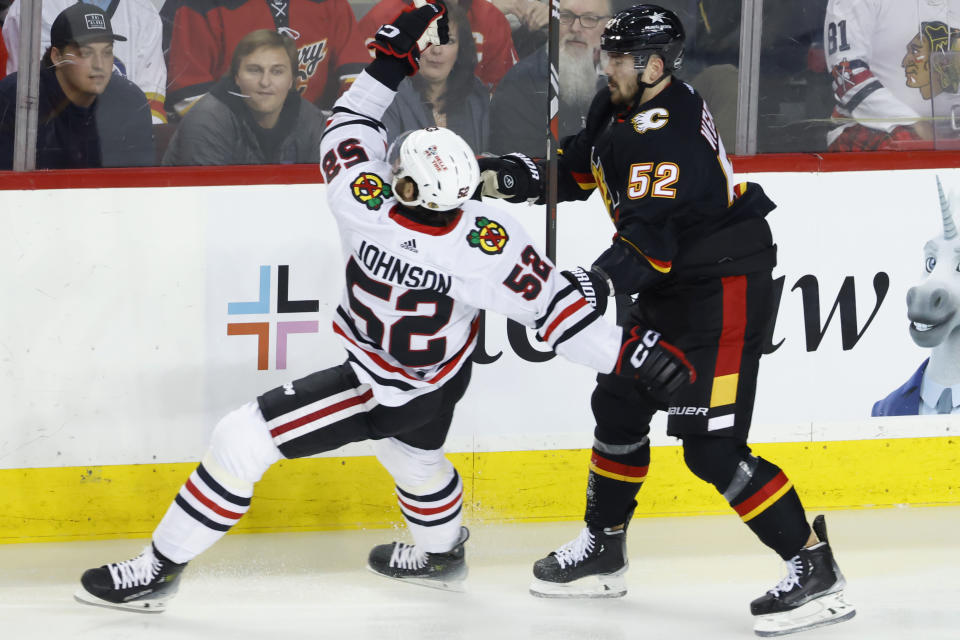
575	550
407	556
794	568
139	571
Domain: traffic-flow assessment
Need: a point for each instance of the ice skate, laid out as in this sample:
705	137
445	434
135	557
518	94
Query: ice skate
143	584
407	562
593	565
810	596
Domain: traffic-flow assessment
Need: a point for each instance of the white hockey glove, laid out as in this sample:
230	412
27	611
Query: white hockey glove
513	177
592	285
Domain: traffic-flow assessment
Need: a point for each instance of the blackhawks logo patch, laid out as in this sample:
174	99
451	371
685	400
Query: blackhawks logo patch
371	190
489	238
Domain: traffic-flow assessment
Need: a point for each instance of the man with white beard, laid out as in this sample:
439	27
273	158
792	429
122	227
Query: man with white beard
518	110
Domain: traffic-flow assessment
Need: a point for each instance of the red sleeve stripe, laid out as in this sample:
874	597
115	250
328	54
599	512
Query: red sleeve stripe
764	498
585	181
617	471
563	315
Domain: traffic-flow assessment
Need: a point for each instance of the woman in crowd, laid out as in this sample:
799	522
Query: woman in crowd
253	115
445	93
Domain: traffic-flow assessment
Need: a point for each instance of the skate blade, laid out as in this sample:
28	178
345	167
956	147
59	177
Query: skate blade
829	609
454	584
138	606
613	585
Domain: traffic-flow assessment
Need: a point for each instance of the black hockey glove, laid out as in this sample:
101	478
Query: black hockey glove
412	31
592	286
513	177
658	367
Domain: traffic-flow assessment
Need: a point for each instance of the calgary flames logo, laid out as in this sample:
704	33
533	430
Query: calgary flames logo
650	120
370	190
491	237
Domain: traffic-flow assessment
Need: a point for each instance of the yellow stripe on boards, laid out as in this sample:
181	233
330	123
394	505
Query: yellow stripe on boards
83	503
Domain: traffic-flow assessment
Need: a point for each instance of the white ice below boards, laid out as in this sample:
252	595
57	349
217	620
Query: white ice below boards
689	578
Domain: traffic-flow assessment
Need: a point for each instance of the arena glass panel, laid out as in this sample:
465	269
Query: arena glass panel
795	98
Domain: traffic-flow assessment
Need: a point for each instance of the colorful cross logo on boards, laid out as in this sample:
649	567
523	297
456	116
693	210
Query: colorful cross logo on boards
261	329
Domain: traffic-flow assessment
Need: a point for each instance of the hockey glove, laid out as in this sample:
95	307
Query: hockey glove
513	177
592	286
411	32
658	367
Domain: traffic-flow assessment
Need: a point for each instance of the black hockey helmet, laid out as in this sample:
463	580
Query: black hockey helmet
645	29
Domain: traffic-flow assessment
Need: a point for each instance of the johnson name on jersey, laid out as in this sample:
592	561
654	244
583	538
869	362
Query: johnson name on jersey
410	310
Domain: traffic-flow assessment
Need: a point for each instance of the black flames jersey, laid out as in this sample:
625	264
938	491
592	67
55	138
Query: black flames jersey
662	171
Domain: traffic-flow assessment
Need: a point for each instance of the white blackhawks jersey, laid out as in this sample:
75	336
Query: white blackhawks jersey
139	58
893	62
410	309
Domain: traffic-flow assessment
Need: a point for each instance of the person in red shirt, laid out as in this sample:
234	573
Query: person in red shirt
201	35
491	33
3	59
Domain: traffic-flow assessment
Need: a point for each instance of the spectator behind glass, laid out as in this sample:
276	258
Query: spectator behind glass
202	35
139	58
88	115
491	34
892	68
528	23
518	110
253	115
445	93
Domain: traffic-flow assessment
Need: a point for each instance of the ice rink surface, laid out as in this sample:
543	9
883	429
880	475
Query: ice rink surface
689	578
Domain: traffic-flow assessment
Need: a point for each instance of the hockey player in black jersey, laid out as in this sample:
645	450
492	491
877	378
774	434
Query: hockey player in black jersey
409	321
696	253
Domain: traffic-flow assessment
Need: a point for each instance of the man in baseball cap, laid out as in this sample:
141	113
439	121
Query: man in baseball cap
81	23
88	116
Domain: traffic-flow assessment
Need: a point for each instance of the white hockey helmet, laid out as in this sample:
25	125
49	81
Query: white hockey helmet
440	164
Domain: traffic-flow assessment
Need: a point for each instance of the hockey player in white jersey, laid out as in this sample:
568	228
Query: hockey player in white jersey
895	68
421	260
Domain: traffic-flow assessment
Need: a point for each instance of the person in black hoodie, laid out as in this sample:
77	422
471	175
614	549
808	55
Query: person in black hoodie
253	115
88	115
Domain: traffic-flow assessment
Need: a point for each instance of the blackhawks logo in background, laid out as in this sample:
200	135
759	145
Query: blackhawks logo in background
490	238
370	189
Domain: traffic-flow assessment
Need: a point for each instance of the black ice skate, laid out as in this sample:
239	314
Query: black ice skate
811	595
593	565
143	584
406	562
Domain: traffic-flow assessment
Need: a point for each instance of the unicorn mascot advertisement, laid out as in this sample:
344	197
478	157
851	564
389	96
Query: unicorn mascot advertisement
934	324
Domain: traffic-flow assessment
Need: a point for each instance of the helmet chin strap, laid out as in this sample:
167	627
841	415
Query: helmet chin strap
651	85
